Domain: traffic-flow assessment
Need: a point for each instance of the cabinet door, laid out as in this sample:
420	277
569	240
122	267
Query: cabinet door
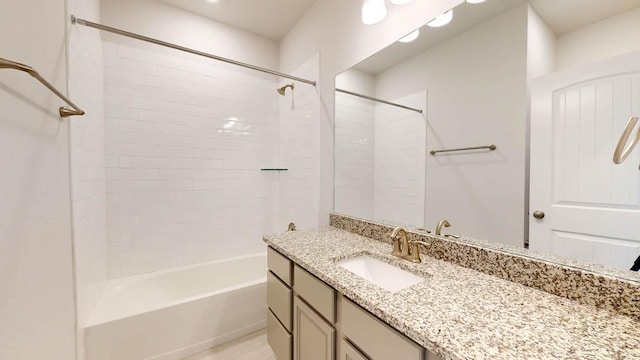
348	352
314	338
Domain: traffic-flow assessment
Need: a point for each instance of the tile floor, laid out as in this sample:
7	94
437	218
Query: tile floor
251	347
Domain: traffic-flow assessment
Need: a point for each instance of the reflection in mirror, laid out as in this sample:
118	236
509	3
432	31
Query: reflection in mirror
473	79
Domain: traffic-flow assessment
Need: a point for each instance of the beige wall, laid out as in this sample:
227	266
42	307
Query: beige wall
36	278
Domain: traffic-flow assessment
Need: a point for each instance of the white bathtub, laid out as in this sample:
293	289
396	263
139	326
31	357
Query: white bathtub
175	313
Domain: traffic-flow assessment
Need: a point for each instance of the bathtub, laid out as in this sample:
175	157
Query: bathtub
175	313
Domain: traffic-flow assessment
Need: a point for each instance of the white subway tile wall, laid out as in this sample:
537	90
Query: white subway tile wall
88	184
400	151
354	156
185	142
298	151
380	158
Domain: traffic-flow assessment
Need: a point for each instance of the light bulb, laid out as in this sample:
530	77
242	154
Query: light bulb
402	2
475	1
373	11
412	36
442	19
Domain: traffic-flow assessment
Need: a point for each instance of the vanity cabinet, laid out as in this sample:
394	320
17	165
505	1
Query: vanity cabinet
366	331
279	303
309	320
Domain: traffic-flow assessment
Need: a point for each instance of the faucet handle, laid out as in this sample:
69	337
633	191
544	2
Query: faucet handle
415	250
418	242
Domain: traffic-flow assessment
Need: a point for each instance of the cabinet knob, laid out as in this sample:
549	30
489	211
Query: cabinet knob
538	214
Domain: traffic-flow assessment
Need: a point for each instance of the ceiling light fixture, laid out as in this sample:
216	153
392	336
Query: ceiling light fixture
402	2
373	11
441	20
475	1
412	36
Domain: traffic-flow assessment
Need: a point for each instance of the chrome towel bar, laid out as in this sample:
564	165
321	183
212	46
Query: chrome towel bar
63	111
489	147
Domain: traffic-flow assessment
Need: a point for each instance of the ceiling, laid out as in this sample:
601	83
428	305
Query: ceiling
274	18
269	18
562	16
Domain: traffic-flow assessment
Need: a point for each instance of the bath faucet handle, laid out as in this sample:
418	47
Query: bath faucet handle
415	250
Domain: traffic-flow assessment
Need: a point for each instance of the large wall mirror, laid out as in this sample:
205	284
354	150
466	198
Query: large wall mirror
504	122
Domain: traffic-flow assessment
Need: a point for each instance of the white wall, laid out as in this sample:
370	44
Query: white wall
298	190
480	193
88	189
400	150
541	46
185	144
354	148
342	43
379	153
614	36
186	137
36	276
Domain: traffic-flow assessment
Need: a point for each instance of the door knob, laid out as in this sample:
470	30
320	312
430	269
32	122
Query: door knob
538	214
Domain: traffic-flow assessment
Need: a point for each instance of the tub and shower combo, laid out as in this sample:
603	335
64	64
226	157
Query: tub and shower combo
201	116
175	313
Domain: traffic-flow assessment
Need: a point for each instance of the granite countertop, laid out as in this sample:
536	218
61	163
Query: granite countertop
459	313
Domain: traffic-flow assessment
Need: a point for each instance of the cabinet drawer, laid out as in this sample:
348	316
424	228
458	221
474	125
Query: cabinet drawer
348	352
279	299
278	338
316	293
375	338
279	265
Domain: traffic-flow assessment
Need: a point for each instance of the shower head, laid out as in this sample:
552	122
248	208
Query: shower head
282	90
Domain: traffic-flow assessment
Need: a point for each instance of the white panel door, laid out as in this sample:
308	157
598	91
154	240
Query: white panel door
591	206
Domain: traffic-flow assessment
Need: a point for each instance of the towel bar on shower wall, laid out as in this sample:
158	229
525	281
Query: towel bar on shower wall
63	111
488	147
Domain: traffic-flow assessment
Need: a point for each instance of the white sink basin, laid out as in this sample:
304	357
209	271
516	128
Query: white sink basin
385	275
